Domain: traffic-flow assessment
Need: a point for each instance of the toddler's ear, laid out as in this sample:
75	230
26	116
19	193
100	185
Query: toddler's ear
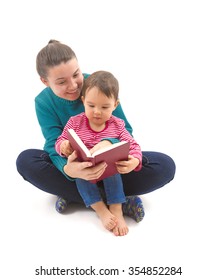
82	98
116	104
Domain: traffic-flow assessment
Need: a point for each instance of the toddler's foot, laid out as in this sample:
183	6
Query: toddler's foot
121	227
107	218
61	205
133	208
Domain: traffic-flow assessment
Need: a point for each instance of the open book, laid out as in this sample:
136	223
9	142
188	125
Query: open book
110	154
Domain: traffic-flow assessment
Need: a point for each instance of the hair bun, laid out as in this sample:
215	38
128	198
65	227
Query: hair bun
53	41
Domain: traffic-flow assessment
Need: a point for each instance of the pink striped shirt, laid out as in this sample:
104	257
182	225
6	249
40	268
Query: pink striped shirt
115	128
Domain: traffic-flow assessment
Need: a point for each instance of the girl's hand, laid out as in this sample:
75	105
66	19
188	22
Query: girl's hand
100	145
65	148
126	166
83	170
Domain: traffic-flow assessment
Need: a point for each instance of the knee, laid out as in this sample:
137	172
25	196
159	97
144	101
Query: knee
22	161
169	166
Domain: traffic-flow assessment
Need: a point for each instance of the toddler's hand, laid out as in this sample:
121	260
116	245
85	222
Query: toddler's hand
100	145
126	166
65	148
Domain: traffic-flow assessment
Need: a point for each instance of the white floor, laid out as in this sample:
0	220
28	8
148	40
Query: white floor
164	55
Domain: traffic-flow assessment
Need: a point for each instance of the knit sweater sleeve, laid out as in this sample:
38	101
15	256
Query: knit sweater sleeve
135	149
51	127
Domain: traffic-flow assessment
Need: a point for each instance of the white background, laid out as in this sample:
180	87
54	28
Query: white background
164	56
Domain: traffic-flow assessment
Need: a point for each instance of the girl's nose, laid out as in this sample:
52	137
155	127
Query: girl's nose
72	84
97	111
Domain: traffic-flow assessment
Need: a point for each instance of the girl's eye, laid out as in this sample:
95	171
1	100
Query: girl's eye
61	83
76	74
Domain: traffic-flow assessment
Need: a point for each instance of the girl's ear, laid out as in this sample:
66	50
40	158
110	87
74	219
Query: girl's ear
44	81
116	104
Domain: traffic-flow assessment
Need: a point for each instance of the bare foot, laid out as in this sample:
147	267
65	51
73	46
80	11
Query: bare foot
107	218
121	227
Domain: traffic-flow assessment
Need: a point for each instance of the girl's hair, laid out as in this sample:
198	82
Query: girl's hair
52	55
104	81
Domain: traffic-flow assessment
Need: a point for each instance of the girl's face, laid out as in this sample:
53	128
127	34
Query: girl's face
66	80
98	108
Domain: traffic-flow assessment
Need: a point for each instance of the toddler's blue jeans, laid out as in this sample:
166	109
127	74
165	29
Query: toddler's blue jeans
91	194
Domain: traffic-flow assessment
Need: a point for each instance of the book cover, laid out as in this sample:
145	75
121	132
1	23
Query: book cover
110	154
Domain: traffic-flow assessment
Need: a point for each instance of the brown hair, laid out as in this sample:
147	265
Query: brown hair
104	81
53	54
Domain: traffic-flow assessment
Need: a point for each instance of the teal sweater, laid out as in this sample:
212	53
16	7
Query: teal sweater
53	113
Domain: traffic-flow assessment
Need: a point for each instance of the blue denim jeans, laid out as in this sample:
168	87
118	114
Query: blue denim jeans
36	167
113	188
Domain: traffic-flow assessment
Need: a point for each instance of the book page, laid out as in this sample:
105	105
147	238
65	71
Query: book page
107	148
80	143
